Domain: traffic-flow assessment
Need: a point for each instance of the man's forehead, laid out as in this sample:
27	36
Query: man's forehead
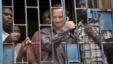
7	10
58	9
16	28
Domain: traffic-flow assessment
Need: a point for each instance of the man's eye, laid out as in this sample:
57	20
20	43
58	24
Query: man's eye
16	30
7	14
54	16
60	17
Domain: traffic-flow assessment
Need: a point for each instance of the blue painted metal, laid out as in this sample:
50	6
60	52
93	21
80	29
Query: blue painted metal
105	23
106	20
73	56
8	50
1	43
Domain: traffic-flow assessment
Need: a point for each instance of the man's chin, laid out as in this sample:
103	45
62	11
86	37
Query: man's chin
7	29
15	39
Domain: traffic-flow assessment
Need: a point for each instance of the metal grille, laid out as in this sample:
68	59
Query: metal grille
27	14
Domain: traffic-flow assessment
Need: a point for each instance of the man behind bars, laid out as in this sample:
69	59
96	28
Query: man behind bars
53	40
11	34
7	23
88	39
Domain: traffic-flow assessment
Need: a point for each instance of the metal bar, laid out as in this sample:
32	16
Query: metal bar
38	6
50	1
64	11
80	8
20	24
100	38
86	3
64	20
45	24
7	6
1	30
26	21
31	7
8	50
75	12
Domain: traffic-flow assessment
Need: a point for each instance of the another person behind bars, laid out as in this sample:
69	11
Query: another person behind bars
45	20
10	36
61	36
46	17
15	36
7	23
31	49
54	40
82	3
88	39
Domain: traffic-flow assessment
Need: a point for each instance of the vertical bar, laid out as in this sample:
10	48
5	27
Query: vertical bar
13	12
1	30
8	51
26	17
75	12
25	2
14	54
75	9
64	10
109	4
8	48
97	2
50	1
38	6
86	3
101	43
64	19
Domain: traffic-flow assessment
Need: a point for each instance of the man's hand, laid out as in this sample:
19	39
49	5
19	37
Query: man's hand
70	25
8	39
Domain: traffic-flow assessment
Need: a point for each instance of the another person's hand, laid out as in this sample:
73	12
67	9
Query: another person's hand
26	42
89	31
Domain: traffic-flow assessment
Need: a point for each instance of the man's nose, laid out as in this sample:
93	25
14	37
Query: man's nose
17	34
57	19
9	16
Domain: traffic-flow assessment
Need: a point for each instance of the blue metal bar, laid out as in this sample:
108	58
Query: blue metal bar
64	20
105	23
1	43
8	56
72	53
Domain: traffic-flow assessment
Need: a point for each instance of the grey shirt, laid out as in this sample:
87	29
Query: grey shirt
52	45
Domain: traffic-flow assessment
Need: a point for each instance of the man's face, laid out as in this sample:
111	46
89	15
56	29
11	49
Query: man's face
46	18
7	20
57	16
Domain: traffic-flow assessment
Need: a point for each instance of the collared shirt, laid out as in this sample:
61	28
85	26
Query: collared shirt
4	35
48	38
90	51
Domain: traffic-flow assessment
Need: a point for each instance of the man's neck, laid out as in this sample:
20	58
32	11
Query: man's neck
58	30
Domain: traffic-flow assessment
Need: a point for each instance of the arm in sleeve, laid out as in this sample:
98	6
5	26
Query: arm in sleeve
48	40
